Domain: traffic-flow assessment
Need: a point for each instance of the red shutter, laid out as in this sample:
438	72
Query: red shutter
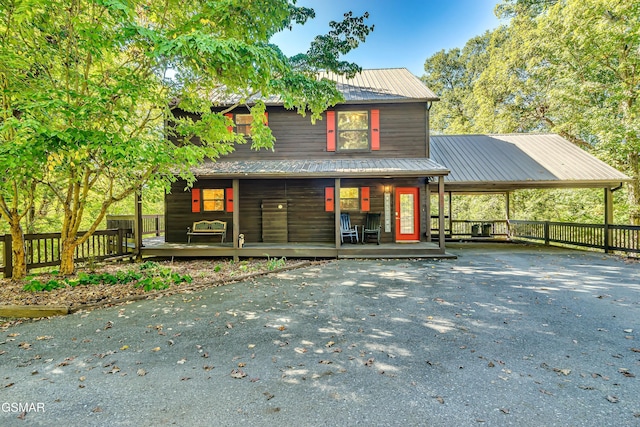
375	129
364	199
328	199
331	131
195	200
230	116
228	192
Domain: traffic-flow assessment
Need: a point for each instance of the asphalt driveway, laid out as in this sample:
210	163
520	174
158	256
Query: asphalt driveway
504	335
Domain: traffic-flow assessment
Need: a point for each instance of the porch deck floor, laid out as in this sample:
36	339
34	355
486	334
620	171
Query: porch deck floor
158	247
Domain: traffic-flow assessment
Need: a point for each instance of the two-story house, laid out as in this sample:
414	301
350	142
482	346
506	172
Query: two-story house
369	154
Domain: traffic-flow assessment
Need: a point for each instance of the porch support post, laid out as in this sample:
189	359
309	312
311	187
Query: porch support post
137	224
441	212
236	217
507	204
336	209
450	215
427	207
608	217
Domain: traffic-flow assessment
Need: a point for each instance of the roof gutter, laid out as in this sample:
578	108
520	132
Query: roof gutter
617	188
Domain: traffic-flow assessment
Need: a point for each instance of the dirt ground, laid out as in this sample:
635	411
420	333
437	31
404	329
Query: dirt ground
203	272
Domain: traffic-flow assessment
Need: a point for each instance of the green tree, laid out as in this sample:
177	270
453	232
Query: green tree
571	67
90	85
452	75
574	67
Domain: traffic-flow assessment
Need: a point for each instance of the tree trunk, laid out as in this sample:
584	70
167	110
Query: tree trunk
18	252
634	189
67	264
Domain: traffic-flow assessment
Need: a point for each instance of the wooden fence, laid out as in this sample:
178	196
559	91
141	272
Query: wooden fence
609	238
151	224
43	250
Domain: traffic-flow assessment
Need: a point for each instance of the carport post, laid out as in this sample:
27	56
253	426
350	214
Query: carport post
608	217
441	212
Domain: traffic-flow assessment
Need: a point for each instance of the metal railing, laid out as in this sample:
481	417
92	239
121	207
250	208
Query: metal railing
43	250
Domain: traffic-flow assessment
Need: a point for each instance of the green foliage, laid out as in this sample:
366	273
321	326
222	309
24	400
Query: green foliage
86	89
151	276
37	286
569	67
276	263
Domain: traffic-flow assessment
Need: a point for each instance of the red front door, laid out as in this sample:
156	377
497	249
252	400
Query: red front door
407	214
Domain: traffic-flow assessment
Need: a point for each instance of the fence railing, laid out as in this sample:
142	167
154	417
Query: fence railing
43	250
151	224
609	238
472	228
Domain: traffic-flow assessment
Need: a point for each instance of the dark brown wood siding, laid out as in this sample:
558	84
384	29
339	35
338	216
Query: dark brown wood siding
307	220
402	134
178	215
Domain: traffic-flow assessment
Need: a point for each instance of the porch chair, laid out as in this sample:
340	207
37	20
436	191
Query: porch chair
371	227
346	230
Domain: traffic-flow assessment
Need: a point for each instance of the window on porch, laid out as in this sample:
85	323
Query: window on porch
350	199
213	199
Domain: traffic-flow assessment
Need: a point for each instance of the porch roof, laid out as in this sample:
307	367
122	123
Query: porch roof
334	168
515	161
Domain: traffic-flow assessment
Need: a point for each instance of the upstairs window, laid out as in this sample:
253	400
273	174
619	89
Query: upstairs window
353	130
243	124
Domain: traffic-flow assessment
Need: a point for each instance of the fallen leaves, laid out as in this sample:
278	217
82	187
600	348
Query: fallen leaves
12	292
238	374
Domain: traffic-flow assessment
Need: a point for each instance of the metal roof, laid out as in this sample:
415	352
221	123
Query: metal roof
338	168
378	85
389	84
505	162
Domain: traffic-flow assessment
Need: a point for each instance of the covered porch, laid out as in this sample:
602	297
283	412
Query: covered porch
309	192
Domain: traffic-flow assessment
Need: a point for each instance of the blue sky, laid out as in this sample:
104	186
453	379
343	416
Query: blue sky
406	33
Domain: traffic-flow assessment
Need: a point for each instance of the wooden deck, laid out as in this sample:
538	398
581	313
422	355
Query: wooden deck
157	247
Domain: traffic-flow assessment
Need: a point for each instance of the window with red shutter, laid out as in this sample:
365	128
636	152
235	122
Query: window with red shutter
229	199
195	200
375	130
331	131
329	203
365	204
